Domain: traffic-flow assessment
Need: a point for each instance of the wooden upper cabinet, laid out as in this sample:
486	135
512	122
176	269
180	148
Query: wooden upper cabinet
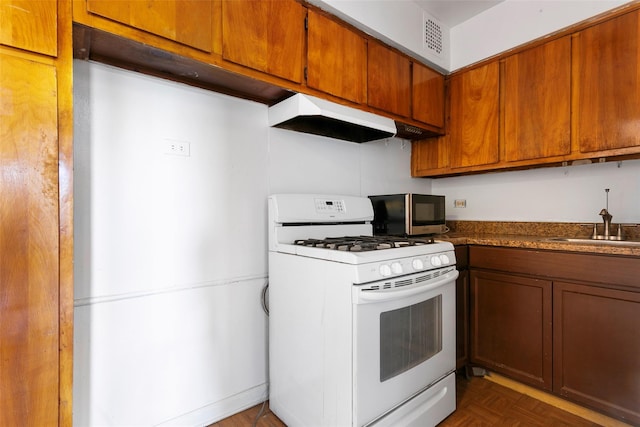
537	102
30	25
430	156
607	89
388	80
475	104
336	59
189	22
267	36
428	95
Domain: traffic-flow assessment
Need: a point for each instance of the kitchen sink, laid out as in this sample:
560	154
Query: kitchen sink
595	241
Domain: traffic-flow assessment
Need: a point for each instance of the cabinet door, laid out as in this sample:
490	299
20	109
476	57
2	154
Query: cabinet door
429	157
537	99
336	59
607	73
185	21
29	270
596	348
428	95
474	117
30	25
388	80
511	326
265	35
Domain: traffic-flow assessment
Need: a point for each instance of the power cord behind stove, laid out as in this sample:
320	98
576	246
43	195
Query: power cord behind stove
265	298
261	411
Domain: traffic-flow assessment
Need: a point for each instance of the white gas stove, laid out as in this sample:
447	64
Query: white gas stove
361	327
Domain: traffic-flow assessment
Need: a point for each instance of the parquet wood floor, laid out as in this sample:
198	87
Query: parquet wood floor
480	403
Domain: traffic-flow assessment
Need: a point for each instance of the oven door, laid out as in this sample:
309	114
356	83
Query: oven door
404	341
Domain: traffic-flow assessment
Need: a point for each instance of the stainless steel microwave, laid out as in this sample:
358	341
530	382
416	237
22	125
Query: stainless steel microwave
408	214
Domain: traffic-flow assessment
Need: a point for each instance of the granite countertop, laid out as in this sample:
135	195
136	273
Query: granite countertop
538	235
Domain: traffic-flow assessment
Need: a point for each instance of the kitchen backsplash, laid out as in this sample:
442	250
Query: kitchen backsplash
544	229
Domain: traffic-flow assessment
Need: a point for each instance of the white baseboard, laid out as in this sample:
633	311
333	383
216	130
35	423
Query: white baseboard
217	411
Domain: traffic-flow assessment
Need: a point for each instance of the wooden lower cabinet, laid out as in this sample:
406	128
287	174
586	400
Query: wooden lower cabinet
597	348
511	326
568	323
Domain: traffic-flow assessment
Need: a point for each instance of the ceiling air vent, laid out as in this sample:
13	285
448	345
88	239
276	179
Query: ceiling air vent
432	35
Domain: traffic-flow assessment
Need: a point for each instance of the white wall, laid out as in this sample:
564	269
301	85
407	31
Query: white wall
500	28
514	22
561	194
171	252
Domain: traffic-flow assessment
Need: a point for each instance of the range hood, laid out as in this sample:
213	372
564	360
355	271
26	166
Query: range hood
308	114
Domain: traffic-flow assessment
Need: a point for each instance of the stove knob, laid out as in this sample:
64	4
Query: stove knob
444	258
385	270
436	261
396	268
417	264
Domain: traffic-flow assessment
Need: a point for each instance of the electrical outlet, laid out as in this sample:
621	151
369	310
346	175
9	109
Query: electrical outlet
177	148
460	203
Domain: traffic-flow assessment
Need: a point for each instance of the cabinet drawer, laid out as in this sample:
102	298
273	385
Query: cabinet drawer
607	270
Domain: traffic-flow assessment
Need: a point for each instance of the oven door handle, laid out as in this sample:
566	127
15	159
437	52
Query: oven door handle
363	297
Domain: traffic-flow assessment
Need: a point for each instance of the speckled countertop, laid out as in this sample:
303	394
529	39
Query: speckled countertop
538	235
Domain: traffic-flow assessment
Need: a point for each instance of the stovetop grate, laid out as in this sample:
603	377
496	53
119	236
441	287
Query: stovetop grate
363	243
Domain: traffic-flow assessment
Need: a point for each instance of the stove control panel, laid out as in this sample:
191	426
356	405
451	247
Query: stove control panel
410	265
327	206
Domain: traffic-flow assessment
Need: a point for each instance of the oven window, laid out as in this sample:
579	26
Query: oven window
409	336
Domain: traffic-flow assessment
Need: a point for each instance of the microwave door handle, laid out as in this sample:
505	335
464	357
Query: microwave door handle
364	297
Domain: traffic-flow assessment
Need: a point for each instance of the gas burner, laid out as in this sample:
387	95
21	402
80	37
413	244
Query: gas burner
363	243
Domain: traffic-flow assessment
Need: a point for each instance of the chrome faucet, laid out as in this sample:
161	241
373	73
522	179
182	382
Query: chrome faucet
606	218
